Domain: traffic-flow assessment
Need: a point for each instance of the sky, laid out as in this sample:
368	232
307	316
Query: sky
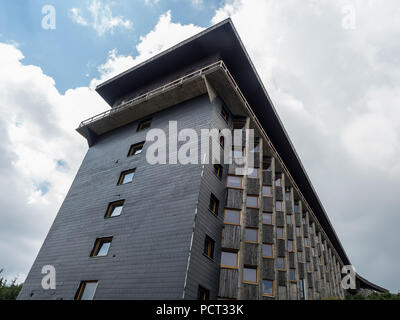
331	68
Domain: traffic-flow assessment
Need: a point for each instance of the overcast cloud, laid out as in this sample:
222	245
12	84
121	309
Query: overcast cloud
336	90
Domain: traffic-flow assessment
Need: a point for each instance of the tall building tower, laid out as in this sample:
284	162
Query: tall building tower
130	229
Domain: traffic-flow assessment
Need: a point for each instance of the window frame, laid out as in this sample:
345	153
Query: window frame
203	294
232	175
272	250
283	233
142	125
277	263
214	210
279	178
267	213
292	270
253	268
281	206
123	174
253	196
81	289
292	242
218	170
270	190
289	216
248	241
237	259
111	206
209	247
251	176
98	243
134	147
239	217
272	288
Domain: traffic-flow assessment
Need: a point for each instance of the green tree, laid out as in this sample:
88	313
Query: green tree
9	290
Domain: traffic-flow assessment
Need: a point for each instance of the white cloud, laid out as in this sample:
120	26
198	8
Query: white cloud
100	18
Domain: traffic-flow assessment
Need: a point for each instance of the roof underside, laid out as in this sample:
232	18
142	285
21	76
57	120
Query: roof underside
223	41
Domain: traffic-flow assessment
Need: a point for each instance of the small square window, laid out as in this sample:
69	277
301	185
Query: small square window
279	232
267	218
101	247
214	203
209	247
252	172
218	170
280	263
251	235
203	294
290	246
224	114
267	191
234	182
279	205
252	202
229	259
267	251
135	149
126	177
145	124
268	287
114	209
232	216
292	275
86	290
250	275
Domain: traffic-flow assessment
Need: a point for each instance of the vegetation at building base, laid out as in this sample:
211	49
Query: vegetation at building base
374	296
9	290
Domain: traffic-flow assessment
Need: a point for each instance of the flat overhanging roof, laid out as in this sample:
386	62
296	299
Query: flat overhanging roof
222	41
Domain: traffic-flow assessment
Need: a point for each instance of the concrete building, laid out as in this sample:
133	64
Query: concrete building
128	229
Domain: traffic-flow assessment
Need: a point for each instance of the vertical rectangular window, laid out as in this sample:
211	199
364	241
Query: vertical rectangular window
308	265
126	177
267	251
222	142
229	259
267	164
145	124
203	294
218	170
86	290
252	172
250	275
292	275
136	149
267	191
296	207
279	205
298	231
252	202
234	182
251	235
278	181
232	216
302	297
268	287
114	209
300	256
303	219
279	233
209	247
224	114
310	294
101	247
290	246
288	219
287	193
214	203
267	218
280	263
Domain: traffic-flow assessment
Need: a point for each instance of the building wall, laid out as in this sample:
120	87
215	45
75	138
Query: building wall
148	256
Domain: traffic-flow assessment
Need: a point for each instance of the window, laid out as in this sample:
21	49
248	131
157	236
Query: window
114	209
267	251
304	219
234	182
209	247
267	191
251	235
298	231
288	219
310	294
218	170
232	216
126	177
256	146
313	251
237	153
222	141
252	172
101	247
308	265
267	164
250	275
213	207
86	290
296	207
268	287
292	275
145	124
302	297
203	294
238	125
224	114
290	245
229	259
267	218
135	149
278	181
252	202
287	194
279	205
280	263
300	256
279	232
